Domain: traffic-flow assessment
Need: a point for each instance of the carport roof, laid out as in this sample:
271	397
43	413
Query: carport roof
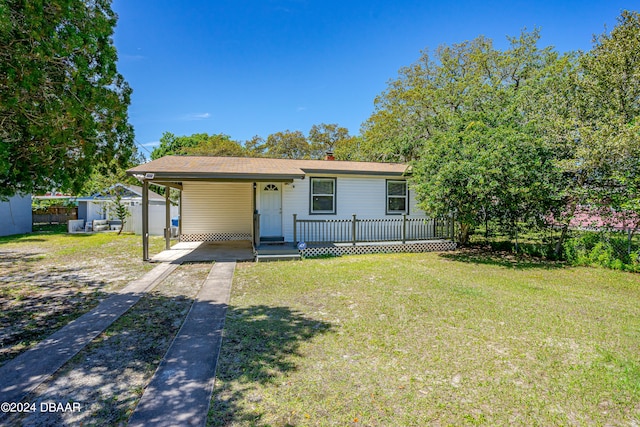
250	168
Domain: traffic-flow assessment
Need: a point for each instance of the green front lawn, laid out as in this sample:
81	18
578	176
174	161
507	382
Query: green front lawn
429	339
48	278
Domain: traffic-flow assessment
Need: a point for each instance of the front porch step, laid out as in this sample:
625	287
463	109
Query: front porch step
272	239
275	250
281	248
280	251
277	257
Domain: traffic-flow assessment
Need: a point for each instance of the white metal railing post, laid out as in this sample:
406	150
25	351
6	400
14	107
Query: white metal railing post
404	228
353	230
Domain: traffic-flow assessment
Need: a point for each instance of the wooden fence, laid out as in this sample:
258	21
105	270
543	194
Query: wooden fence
54	215
356	230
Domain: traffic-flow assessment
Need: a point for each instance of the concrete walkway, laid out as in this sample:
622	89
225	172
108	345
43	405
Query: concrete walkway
23	374
180	391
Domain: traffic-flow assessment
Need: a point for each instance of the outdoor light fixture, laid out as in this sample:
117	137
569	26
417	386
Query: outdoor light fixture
149	175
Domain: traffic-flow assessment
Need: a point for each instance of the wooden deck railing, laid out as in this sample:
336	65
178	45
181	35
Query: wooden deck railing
356	230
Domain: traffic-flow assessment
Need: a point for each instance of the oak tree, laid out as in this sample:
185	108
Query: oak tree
198	144
288	145
458	117
63	104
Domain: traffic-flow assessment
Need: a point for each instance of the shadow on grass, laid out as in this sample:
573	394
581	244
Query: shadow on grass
9	257
259	345
33	304
46	230
107	377
38	235
20	238
483	255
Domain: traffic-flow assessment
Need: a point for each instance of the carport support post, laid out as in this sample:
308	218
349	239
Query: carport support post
167	211
145	220
180	215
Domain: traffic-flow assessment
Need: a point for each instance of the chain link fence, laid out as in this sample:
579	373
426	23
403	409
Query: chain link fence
612	248
619	249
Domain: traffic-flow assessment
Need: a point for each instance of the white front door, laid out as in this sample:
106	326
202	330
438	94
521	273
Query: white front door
270	209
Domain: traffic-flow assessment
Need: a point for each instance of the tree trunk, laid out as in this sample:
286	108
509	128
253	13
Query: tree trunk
486	226
565	228
463	235
560	242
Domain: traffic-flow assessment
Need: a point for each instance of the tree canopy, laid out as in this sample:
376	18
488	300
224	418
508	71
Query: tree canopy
459	117
609	120
63	104
288	145
285	144
199	144
517	133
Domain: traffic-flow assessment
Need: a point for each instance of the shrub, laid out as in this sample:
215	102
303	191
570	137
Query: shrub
601	249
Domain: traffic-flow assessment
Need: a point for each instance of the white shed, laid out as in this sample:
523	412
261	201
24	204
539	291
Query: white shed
101	206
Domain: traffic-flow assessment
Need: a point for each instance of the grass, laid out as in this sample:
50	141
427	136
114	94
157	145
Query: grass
49	278
429	339
55	243
108	376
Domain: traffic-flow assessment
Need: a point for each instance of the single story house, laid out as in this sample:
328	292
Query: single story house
16	214
100	206
285	200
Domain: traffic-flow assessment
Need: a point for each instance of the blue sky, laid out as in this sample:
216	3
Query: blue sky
246	68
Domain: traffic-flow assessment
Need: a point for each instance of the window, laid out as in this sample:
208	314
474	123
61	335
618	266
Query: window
323	195
397	200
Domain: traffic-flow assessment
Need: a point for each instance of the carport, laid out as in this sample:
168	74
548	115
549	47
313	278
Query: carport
217	196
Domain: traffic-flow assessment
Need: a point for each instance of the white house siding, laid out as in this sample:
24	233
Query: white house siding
363	196
215	210
414	210
16	215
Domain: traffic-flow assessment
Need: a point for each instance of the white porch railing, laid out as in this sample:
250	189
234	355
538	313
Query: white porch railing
355	230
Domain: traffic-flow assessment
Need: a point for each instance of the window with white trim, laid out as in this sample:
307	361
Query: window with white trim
397	197
323	196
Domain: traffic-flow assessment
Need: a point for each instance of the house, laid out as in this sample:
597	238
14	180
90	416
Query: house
100	206
284	200
16	215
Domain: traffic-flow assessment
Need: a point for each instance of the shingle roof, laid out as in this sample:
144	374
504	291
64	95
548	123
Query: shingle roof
135	189
196	167
138	190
